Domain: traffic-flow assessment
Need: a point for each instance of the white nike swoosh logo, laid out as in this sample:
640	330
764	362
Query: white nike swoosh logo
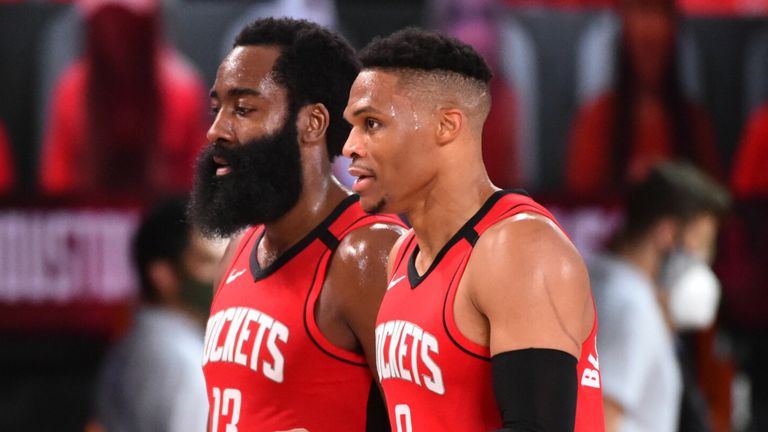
234	275
394	282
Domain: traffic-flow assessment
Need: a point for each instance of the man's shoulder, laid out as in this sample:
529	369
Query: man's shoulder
531	252
525	236
373	238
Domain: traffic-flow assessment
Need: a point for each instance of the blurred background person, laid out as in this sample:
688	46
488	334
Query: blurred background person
653	281
127	118
645	118
152	379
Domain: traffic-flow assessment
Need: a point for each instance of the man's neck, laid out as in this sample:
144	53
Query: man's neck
316	201
444	209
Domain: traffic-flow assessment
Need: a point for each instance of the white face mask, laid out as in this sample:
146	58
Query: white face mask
694	291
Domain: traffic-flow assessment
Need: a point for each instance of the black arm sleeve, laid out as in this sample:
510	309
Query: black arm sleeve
535	390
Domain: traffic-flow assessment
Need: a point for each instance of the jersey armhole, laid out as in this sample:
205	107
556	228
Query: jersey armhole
316	288
311	326
449	320
454	333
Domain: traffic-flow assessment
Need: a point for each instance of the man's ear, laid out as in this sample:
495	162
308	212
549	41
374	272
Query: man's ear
450	124
313	123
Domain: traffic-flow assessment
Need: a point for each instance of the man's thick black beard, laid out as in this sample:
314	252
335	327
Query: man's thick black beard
264	183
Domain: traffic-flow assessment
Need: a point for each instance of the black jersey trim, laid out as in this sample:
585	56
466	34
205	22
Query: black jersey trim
519	191
331	242
306	325
445	322
467	231
258	273
404	247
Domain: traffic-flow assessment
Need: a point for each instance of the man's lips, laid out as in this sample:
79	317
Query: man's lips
364	176
223	168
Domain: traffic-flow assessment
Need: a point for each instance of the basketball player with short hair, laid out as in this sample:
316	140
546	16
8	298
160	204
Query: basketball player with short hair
291	330
488	321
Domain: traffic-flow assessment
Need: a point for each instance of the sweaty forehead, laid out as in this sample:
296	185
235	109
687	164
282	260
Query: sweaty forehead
376	89
248	67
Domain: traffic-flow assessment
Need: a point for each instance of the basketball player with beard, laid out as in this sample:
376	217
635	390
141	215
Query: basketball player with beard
488	322
290	337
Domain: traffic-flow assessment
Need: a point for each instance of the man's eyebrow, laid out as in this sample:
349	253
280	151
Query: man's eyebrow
365	109
237	91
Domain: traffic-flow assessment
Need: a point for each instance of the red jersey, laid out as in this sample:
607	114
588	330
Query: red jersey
433	377
267	366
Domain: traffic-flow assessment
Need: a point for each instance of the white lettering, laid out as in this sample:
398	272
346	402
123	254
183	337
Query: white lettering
265	322
234	329
275	370
418	333
241	358
218	351
590	378
243	323
389	327
66	255
397	340
379	350
435	382
593	361
403	350
212	323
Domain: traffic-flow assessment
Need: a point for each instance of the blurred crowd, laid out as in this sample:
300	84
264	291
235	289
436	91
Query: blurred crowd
615	104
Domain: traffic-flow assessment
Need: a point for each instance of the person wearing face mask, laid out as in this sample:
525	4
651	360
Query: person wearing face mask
151	379
652	282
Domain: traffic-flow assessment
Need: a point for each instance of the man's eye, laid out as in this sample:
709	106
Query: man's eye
371	123
215	111
242	111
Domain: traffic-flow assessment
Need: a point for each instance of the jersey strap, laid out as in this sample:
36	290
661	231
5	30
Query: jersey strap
331	232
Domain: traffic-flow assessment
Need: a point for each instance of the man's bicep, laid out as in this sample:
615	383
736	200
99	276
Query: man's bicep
532	294
363	275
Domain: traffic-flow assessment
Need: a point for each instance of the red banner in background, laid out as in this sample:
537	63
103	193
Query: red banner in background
69	267
63	256
66	269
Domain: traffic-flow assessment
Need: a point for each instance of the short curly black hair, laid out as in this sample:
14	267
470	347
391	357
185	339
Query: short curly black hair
415	48
315	66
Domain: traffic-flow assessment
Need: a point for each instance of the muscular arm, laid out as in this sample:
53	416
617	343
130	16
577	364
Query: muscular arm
355	285
527	287
348	305
532	287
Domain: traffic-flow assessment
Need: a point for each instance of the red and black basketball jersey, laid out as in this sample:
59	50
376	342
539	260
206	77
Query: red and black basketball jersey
267	366
434	378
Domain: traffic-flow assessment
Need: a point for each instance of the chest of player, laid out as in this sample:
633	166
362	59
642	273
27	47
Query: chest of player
433	377
416	342
260	329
